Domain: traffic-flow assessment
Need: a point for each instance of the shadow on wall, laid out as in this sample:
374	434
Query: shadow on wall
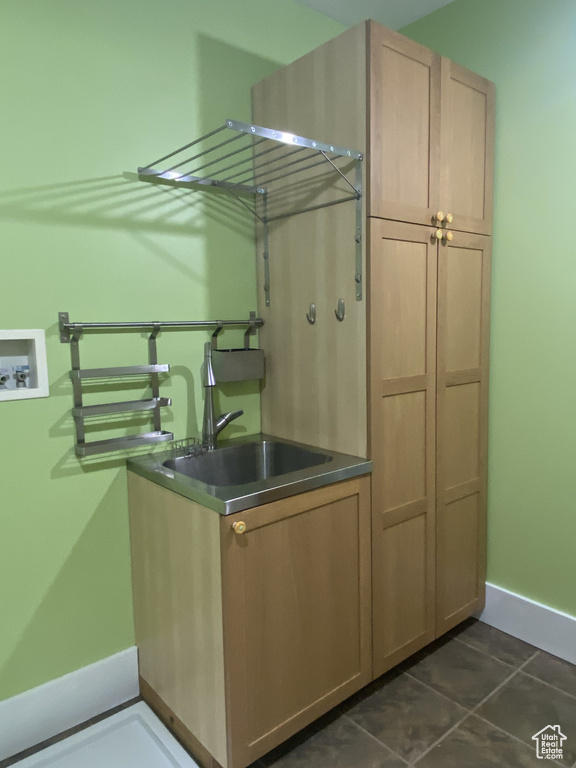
147	213
123	202
82	613
84	579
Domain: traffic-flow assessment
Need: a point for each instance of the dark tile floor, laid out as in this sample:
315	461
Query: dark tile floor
473	699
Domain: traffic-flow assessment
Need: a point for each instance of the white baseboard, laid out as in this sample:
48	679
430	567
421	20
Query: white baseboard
49	709
537	624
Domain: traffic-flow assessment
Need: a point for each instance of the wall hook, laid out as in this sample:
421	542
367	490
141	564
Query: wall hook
341	311
311	314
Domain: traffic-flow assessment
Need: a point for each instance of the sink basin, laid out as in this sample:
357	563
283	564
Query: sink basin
247	463
247	472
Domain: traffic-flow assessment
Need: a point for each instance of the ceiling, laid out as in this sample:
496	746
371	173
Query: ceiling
391	13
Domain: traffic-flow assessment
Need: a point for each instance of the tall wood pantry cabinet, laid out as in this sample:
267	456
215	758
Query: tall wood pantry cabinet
403	379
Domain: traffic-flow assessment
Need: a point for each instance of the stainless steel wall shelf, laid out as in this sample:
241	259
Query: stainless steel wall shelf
104	409
120	443
106	373
71	333
244	160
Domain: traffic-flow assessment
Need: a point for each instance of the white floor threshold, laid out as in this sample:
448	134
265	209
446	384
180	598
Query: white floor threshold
132	738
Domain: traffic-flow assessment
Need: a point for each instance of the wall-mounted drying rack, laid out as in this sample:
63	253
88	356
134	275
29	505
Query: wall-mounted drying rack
245	159
71	333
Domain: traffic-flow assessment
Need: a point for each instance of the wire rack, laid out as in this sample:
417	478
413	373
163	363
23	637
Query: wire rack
189	446
250	161
247	159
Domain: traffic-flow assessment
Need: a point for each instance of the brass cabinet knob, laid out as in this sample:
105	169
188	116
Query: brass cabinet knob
449	236
439	216
439	234
239	526
449	218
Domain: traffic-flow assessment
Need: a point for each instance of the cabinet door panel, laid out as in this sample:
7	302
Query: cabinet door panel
404	128
462	395
296	613
463	321
402	343
460	434
459	528
403	417
401	624
467	148
403	269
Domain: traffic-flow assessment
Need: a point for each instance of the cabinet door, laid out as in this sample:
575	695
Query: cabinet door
467	149
403	392
404	126
296	613
463	317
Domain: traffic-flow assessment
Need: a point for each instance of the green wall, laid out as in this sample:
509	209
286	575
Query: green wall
528	49
90	90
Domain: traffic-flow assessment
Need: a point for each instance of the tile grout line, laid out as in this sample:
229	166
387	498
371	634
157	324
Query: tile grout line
511	735
534	677
468	711
453	728
490	655
443	695
473	710
554	688
375	738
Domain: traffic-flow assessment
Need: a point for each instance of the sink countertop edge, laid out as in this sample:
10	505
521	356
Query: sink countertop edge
227	500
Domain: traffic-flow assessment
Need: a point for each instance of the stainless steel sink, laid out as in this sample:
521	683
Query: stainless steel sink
247	463
248	472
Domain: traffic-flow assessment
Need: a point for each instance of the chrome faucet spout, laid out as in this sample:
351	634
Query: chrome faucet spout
226	418
208	378
212	426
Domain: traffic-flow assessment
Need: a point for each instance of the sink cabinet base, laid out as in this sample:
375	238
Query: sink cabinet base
244	638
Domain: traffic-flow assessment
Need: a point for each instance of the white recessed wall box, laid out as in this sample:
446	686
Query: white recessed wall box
23	367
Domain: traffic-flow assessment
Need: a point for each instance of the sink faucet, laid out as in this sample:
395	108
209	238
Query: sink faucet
212	426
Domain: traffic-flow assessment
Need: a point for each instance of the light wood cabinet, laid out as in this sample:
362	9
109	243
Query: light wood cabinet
463	310
245	638
466	148
403	127
429	367
431	136
404	378
403	286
